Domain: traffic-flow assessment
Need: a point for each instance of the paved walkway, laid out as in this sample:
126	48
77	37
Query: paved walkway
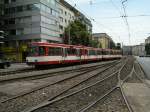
138	96
145	63
16	66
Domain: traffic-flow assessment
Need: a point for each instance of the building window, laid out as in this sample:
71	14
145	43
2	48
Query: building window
36	7
61	11
65	13
43	8
53	2
29	7
12	21
65	21
13	0
6	1
20	31
19	8
61	27
12	32
6	22
61	19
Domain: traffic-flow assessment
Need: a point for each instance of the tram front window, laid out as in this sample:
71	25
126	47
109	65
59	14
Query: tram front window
36	51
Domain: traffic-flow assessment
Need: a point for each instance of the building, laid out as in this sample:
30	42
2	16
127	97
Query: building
127	50
103	39
1	22
138	50
147	41
1	11
26	21
68	13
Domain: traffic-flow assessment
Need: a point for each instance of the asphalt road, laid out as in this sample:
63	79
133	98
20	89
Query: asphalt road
15	66
145	63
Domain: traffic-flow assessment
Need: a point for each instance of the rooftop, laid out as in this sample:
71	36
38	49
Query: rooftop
99	35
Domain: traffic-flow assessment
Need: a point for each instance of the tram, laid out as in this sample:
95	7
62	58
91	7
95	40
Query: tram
52	53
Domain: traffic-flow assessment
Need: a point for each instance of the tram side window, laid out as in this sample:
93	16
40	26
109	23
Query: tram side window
33	51
41	51
71	51
54	51
99	52
105	52
92	52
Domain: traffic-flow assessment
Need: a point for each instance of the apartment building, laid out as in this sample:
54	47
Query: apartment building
147	41
68	13
103	39
139	50
26	21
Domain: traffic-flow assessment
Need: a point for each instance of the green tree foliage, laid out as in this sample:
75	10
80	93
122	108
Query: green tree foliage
77	34
112	45
118	46
147	49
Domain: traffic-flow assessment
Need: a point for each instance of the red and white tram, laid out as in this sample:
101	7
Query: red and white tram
52	53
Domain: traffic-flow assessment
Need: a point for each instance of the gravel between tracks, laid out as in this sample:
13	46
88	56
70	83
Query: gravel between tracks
82	98
35	98
38	82
133	79
49	71
96	78
127	69
139	70
113	103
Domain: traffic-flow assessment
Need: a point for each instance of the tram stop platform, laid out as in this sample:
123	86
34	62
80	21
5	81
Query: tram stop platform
138	95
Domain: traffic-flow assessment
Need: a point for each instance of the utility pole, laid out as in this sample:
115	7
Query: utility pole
69	42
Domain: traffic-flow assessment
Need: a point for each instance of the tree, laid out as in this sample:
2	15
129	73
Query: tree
147	49
77	34
112	45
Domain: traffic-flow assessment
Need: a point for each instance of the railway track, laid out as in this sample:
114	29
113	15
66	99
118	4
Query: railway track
70	76
33	75
84	98
16	71
8	103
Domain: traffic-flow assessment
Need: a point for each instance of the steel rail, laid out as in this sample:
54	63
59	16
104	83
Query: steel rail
48	102
100	98
44	75
142	80
119	86
47	85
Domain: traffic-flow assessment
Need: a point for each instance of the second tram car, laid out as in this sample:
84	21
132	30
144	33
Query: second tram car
52	53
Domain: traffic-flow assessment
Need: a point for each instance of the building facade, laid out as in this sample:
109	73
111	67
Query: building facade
127	50
26	21
139	50
1	22
147	41
103	39
68	13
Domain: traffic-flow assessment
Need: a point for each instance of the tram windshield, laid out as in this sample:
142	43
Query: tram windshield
36	51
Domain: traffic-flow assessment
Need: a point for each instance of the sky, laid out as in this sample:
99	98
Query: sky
107	18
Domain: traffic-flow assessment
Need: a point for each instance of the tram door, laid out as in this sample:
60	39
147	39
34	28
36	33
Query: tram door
64	54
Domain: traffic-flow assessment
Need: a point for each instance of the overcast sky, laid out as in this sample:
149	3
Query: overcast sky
107	13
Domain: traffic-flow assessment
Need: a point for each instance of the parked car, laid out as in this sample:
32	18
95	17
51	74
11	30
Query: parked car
4	62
